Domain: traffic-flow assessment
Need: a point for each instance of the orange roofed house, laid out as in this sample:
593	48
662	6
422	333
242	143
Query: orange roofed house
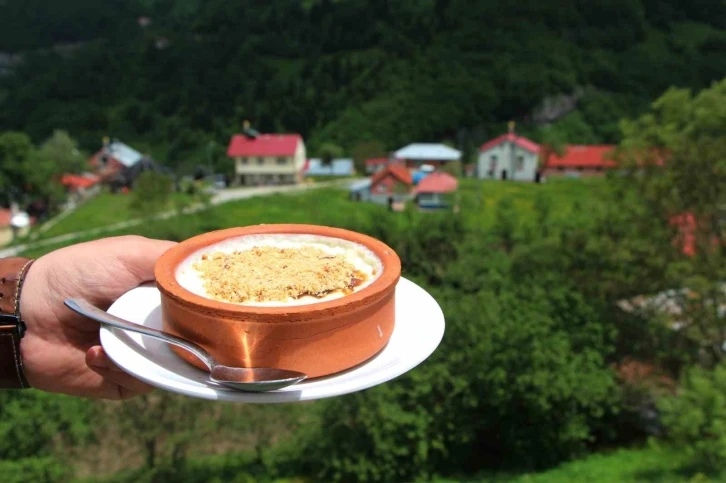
80	186
263	159
394	184
578	160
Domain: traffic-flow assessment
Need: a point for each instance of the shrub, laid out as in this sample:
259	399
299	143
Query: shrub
151	193
695	418
37	470
519	381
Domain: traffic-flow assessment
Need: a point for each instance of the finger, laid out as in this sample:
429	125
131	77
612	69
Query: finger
116	384
97	358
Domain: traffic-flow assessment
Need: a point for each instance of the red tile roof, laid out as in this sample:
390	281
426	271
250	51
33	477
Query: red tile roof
437	182
582	156
376	161
397	170
264	145
75	181
520	141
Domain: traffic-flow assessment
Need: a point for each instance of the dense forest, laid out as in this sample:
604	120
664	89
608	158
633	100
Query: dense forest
348	72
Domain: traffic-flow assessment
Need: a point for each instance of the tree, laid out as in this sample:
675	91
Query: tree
674	161
15	152
367	150
695	418
328	152
64	152
164	424
552	144
151	193
454	168
57	156
506	223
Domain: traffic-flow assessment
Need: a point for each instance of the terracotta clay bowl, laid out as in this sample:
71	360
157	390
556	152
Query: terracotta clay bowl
318	339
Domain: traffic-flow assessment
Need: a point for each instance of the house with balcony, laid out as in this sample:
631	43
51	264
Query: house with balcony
267	159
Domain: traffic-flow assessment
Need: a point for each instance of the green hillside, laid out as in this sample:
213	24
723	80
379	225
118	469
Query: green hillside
478	201
347	71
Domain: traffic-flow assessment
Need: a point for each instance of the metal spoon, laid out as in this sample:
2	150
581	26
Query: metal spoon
256	379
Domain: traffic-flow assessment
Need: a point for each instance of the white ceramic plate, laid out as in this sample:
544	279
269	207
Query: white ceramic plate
418	331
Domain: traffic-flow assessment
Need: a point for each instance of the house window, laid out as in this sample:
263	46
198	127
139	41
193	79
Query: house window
493	163
260	160
244	160
104	160
281	161
520	163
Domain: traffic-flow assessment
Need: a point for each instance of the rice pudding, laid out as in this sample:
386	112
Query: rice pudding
279	269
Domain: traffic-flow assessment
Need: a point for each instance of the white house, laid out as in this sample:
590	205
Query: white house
509	157
267	158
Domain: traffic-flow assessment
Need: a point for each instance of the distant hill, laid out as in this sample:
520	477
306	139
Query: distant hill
347	71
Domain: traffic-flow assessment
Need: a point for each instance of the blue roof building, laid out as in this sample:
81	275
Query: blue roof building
338	167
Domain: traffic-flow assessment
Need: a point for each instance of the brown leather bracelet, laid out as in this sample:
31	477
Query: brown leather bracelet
12	327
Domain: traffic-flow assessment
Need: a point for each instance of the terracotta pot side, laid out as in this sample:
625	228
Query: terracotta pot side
318	339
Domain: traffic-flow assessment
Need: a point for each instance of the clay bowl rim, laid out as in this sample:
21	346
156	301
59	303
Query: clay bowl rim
166	265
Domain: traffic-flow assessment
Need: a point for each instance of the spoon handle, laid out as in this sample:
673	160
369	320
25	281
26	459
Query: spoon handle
85	308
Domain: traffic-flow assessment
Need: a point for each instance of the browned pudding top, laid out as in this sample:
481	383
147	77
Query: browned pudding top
270	274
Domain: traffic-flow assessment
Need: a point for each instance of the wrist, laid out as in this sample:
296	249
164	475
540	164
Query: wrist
12	328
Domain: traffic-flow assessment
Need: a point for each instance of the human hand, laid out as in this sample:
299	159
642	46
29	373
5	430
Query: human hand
61	350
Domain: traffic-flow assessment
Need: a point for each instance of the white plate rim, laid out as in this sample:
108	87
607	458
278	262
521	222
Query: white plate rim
112	338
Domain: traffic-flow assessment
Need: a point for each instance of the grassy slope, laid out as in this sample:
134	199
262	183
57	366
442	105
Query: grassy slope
638	465
105	209
479	198
325	206
647	465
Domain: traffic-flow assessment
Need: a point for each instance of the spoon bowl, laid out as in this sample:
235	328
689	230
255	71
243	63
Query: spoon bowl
248	379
